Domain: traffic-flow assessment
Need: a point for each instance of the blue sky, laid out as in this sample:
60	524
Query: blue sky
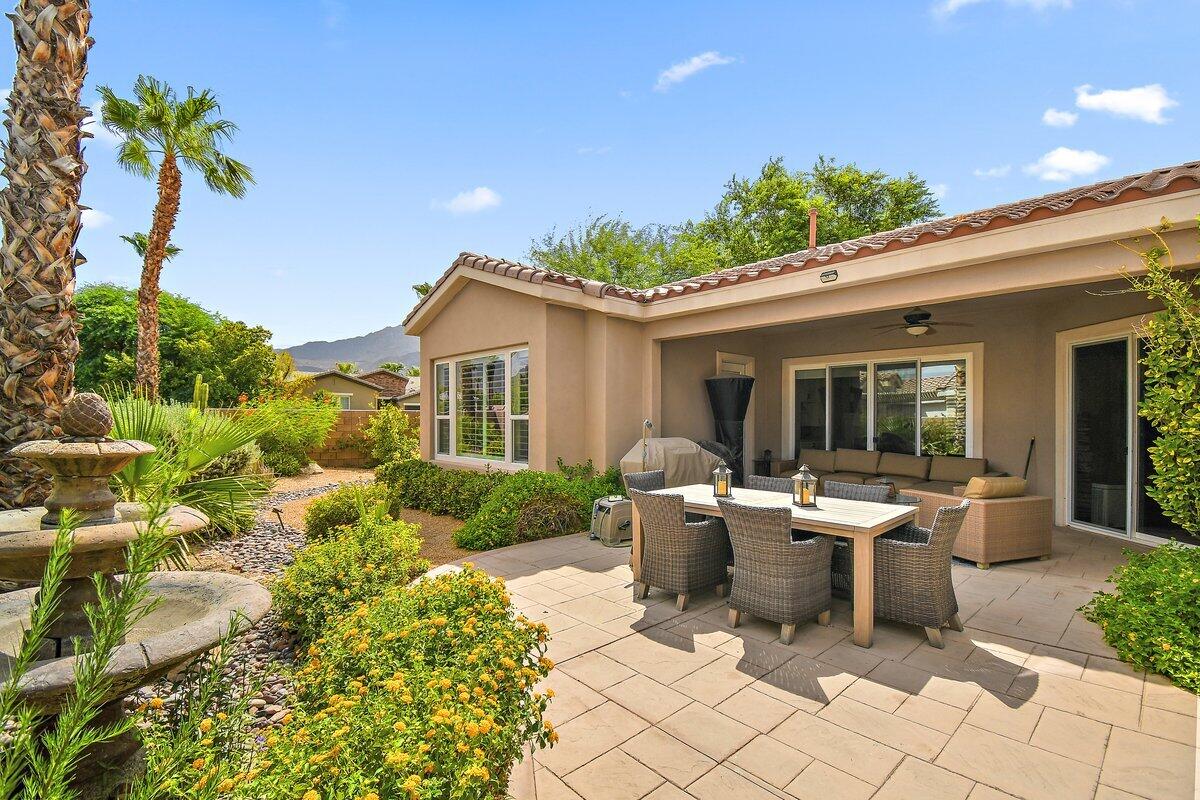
387	137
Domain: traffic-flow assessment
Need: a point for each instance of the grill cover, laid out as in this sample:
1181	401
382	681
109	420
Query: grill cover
729	396
683	461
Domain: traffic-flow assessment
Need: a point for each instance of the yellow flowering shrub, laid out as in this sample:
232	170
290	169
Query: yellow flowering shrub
331	577
420	692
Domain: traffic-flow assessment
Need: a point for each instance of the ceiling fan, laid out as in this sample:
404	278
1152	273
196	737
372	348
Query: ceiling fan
917	322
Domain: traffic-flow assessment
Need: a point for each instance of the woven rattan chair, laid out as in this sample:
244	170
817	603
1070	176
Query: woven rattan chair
677	556
912	574
776	579
843	555
768	484
646	481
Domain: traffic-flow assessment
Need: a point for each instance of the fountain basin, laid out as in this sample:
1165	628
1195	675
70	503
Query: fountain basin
25	547
194	610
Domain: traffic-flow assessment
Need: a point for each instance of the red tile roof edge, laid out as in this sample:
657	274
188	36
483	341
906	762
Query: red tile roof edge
1130	188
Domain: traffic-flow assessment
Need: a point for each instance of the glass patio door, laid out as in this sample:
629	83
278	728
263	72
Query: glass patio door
1100	417
1110	459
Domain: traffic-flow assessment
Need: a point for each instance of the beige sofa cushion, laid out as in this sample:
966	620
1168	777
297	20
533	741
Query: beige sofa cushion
898	481
991	488
906	465
954	469
864	461
821	460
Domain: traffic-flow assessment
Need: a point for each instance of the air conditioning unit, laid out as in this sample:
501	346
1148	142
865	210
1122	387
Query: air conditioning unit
612	521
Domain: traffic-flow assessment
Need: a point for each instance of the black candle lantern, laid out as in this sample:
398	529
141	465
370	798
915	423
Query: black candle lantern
804	488
721	481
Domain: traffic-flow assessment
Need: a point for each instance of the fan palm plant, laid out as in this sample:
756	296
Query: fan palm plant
161	132
189	440
140	243
41	218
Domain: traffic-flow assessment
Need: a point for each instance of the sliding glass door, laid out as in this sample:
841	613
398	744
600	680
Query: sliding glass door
912	406
1110	467
1100	433
848	407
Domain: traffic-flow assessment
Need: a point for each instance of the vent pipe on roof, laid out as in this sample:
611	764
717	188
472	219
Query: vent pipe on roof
812	228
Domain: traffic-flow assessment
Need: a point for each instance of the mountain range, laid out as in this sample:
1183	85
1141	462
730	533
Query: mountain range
368	351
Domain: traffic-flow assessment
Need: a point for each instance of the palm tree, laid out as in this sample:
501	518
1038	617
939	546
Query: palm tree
157	126
392	366
41	216
140	243
346	367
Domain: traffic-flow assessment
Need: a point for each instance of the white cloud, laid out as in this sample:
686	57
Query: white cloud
1146	103
1063	164
946	8
475	200
92	218
1059	119
993	172
678	73
940	190
594	151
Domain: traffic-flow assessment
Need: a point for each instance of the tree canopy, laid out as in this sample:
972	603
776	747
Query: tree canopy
756	218
234	358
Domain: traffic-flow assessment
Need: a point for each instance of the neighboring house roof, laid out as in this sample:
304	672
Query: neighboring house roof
391	384
1132	187
352	378
414	388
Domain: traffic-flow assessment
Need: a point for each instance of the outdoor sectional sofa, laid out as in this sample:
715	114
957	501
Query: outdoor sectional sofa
995	529
927	473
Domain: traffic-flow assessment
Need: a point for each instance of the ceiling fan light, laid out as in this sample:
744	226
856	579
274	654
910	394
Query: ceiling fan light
917	329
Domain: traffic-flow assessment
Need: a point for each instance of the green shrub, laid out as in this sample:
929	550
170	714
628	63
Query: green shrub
297	425
343	506
1152	619
427	487
495	524
546	517
392	435
332	577
1171	396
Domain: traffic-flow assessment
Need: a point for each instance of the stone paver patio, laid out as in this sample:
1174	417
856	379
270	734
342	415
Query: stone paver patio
1027	702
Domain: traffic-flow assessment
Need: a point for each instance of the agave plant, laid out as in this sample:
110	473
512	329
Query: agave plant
190	438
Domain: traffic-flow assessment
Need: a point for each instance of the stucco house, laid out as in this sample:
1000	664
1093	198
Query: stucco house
1028	338
353	392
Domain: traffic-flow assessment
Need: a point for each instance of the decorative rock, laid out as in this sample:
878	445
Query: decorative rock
86	415
311	468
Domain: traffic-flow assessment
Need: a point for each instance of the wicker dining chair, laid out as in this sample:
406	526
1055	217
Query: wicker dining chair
843	552
646	481
769	484
912	574
776	579
679	557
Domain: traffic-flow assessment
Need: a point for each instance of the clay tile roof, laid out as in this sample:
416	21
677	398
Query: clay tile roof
1082	198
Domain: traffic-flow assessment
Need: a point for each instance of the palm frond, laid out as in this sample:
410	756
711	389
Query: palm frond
134	156
230	501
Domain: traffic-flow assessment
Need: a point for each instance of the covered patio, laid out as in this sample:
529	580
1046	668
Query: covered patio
1026	702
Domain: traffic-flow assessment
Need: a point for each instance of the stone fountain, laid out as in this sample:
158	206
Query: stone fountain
191	611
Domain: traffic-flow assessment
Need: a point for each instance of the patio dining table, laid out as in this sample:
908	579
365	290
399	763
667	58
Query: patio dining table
857	521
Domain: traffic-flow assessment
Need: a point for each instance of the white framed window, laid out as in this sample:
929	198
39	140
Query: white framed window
343	399
481	407
922	402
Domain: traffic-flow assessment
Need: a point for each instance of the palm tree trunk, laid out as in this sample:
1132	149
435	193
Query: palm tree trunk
170	184
41	216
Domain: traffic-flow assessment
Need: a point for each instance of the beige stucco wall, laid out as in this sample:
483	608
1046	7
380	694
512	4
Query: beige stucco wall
362	398
582	367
